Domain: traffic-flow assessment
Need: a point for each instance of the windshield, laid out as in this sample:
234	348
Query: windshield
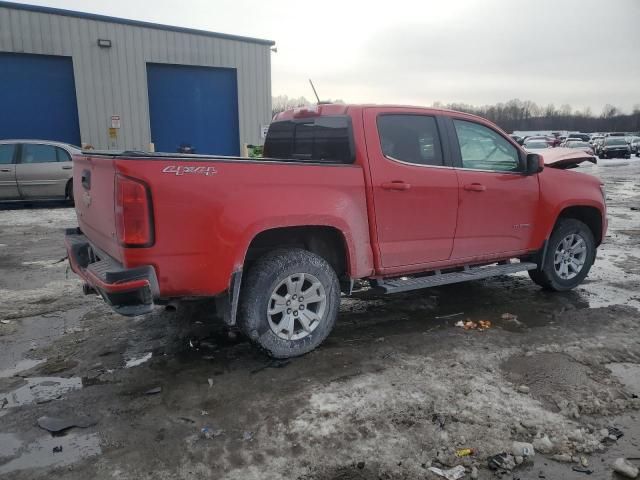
615	141
577	144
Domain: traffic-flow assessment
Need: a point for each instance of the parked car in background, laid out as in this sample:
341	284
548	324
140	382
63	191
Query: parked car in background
551	141
597	144
575	143
36	170
635	146
615	147
518	139
579	136
534	145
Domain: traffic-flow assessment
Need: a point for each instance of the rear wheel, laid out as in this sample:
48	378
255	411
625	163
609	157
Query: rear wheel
570	253
289	302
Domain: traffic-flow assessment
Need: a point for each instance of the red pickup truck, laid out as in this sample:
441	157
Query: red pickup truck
403	197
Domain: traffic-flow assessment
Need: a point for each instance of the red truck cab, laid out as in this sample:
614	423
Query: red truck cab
404	197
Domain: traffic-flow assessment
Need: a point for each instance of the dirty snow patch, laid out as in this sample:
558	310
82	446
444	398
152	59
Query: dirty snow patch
134	362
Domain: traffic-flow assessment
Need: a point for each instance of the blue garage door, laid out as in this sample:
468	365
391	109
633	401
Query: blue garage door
194	107
38	98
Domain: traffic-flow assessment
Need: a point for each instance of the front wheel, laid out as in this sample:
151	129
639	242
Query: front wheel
289	302
570	253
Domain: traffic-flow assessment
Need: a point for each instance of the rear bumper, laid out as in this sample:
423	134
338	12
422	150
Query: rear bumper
129	291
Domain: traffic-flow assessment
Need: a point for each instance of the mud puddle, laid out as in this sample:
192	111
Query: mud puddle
46	451
38	390
37	331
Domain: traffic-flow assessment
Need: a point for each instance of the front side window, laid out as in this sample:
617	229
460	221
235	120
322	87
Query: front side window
483	149
410	138
33	153
321	139
63	155
6	154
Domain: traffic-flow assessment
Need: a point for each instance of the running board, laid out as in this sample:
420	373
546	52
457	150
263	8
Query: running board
405	284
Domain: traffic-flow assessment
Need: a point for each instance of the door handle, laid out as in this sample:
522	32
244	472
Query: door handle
475	187
395	185
4	170
67	167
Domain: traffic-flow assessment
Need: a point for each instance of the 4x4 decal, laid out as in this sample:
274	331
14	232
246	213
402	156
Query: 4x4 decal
187	170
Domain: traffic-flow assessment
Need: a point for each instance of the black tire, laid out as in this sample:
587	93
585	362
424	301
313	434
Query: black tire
263	279
547	277
69	192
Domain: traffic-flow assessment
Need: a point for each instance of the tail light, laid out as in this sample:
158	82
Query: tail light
134	218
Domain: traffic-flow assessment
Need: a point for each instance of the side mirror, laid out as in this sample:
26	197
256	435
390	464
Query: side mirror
534	164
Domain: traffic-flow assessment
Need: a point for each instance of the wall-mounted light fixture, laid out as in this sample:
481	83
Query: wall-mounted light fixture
104	43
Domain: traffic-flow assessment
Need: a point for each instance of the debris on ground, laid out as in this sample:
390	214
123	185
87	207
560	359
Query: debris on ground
57	449
153	391
5	322
439	317
465	452
471	325
211	432
502	461
614	433
523	389
625	468
247	436
582	470
522	449
510	317
474	473
57	425
360	465
454	473
635	208
210	380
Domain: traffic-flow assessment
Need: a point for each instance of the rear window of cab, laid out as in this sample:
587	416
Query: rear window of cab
320	139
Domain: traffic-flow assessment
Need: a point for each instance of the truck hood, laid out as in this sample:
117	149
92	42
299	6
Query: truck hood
562	158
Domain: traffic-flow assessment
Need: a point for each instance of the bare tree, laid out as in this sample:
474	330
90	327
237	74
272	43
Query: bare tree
283	102
609	111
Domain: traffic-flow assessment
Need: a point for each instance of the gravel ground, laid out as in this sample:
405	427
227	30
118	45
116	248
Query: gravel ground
395	389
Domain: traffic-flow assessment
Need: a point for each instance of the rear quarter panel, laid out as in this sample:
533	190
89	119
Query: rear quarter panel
205	223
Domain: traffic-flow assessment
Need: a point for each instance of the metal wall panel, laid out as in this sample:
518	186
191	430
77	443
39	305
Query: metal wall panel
113	81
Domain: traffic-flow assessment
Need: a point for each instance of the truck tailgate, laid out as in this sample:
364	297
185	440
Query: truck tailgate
93	190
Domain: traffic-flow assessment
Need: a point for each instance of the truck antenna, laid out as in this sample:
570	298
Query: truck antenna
314	91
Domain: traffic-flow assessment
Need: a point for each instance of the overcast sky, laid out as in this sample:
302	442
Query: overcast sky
580	52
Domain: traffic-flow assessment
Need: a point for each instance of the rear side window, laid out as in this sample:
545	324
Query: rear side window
322	139
62	155
34	153
6	154
410	138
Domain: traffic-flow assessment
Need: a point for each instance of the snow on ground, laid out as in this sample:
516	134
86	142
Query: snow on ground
46	217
